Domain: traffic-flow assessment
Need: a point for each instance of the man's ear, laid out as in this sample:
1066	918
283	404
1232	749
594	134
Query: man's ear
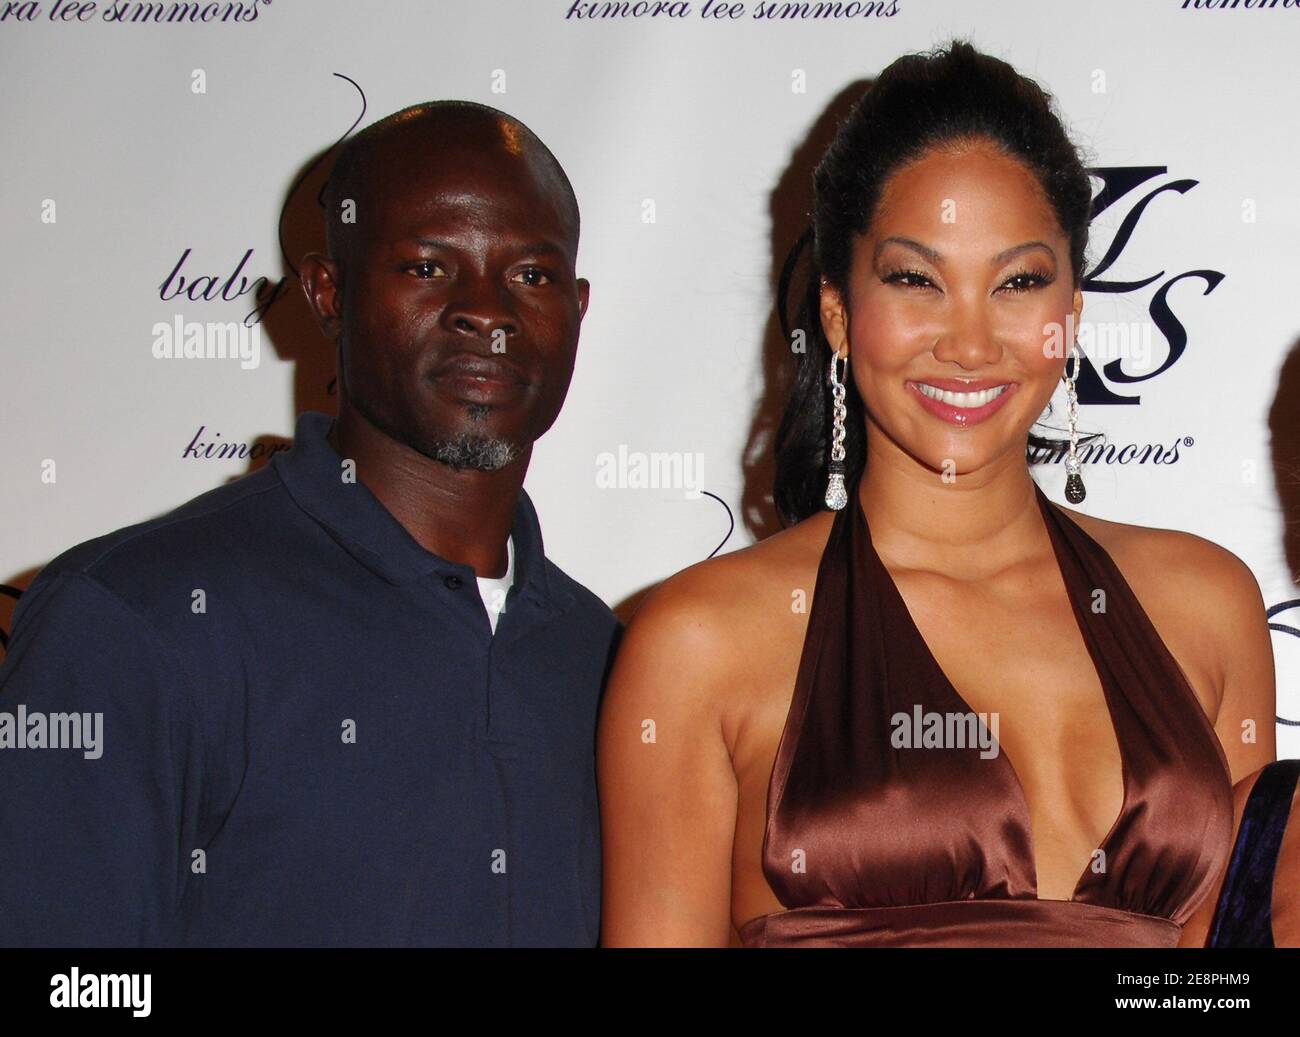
584	296
323	287
835	319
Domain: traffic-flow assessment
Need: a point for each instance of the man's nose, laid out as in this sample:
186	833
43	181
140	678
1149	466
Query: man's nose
480	308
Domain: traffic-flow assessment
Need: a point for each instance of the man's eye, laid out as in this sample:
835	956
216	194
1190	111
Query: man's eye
424	269
533	276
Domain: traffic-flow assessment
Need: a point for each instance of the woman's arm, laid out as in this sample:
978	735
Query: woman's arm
667	787
1247	719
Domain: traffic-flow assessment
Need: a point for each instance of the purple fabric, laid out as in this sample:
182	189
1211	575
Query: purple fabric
1244	914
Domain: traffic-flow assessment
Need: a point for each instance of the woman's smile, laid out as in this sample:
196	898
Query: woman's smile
979	401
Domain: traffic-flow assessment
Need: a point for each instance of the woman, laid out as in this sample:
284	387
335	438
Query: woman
771	768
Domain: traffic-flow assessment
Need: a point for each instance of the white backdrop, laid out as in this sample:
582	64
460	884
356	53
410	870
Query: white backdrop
714	122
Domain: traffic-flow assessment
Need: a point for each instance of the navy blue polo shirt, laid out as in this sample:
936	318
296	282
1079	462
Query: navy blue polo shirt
309	733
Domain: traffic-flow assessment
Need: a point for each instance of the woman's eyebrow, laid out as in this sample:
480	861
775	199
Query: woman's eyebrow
1015	250
935	257
929	253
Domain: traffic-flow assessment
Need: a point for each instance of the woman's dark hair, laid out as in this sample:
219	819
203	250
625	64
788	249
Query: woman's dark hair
920	102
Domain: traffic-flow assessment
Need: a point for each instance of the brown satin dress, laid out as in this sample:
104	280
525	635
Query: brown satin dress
868	845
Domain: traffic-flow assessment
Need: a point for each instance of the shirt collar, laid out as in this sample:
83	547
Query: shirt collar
362	526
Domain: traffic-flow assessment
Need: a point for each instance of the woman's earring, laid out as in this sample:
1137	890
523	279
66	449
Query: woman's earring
1074	491
836	495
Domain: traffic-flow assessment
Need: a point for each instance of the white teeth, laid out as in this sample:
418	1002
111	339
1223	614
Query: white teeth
962	399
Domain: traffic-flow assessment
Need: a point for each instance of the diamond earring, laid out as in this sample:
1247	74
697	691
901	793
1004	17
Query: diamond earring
836	496
1074	491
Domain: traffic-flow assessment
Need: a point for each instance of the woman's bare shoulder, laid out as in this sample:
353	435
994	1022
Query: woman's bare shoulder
1204	600
1173	563
1140	539
724	610
744	580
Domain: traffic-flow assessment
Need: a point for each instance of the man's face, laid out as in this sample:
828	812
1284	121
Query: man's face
460	309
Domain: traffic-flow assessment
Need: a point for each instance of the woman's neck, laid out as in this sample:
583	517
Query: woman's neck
963	524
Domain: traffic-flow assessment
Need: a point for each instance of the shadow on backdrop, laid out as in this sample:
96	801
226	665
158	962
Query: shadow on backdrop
790	212
287	324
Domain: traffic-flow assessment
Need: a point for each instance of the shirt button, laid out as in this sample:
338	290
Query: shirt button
452	581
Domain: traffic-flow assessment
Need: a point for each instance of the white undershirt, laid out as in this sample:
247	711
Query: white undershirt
493	591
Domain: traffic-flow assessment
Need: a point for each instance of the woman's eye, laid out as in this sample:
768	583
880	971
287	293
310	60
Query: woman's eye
534	277
909	279
1026	280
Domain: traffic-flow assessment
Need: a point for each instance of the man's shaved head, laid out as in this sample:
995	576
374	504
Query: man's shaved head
450	286
465	130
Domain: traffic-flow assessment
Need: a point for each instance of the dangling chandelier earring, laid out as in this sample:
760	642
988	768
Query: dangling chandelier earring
836	495
1074	491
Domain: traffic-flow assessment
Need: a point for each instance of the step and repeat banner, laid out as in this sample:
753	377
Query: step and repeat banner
163	161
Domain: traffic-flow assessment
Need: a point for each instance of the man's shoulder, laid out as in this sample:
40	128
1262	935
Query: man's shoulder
588	605
207	534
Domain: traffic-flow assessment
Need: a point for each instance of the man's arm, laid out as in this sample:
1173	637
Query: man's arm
94	840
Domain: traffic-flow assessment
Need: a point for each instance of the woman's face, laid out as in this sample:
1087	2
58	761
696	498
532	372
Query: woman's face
953	297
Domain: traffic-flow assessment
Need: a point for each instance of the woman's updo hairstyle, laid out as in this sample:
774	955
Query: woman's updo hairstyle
948	97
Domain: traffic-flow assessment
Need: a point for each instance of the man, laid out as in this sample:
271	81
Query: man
314	730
